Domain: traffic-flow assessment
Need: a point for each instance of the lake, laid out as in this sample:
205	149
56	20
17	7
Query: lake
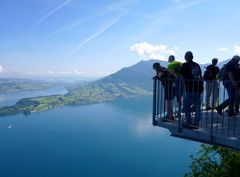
114	139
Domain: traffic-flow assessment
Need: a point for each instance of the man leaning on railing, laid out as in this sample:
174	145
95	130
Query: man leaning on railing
167	79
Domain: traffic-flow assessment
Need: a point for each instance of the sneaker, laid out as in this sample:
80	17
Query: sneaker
208	108
196	125
178	115
170	118
189	126
186	123
232	114
192	109
166	119
219	111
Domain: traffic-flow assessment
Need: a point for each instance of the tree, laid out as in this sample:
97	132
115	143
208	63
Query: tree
215	161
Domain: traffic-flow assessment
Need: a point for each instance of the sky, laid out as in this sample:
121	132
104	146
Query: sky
94	38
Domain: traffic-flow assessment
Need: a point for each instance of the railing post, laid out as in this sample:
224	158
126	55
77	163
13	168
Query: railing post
213	95
154	101
180	106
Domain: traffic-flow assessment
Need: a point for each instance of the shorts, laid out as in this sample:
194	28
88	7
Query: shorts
169	90
179	89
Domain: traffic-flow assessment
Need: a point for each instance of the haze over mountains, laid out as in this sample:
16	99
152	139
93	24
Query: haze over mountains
128	82
9	85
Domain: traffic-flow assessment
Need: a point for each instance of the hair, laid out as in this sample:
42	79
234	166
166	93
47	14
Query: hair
188	55
171	58
156	65
214	61
236	57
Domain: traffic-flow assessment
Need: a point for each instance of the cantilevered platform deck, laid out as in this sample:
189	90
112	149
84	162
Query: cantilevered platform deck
221	130
213	128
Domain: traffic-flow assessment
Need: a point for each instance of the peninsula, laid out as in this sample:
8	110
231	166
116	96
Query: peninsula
127	82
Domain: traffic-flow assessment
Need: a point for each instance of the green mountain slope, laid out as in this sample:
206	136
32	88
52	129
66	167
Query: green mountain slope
128	82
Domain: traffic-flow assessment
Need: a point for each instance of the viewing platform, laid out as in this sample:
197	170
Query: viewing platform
213	128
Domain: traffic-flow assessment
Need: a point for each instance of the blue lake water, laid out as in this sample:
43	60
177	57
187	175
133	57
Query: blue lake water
114	139
11	98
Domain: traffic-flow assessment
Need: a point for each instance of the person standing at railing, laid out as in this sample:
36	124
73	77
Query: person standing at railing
175	66
192	75
237	100
212	85
230	84
167	78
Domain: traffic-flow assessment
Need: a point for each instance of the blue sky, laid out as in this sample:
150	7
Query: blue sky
96	38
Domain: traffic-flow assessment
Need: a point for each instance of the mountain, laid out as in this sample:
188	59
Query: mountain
138	75
220	64
128	82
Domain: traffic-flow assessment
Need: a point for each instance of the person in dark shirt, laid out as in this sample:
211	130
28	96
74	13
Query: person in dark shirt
230	84
192	74
237	100
212	85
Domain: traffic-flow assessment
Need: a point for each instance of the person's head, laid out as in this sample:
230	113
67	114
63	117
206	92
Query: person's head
214	61
188	56
171	58
156	66
236	58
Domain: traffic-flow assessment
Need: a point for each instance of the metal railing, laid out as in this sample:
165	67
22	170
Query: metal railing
219	105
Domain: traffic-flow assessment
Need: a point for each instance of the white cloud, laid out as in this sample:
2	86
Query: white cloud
74	72
1	69
100	73
223	49
77	72
151	51
51	72
65	73
237	48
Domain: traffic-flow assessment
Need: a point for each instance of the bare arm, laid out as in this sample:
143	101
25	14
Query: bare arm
230	75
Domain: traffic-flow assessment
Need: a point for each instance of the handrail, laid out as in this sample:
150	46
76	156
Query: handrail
217	124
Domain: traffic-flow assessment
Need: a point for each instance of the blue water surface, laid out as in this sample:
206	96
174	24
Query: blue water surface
114	139
9	99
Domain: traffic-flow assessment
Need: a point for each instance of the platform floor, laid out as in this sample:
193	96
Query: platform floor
213	129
